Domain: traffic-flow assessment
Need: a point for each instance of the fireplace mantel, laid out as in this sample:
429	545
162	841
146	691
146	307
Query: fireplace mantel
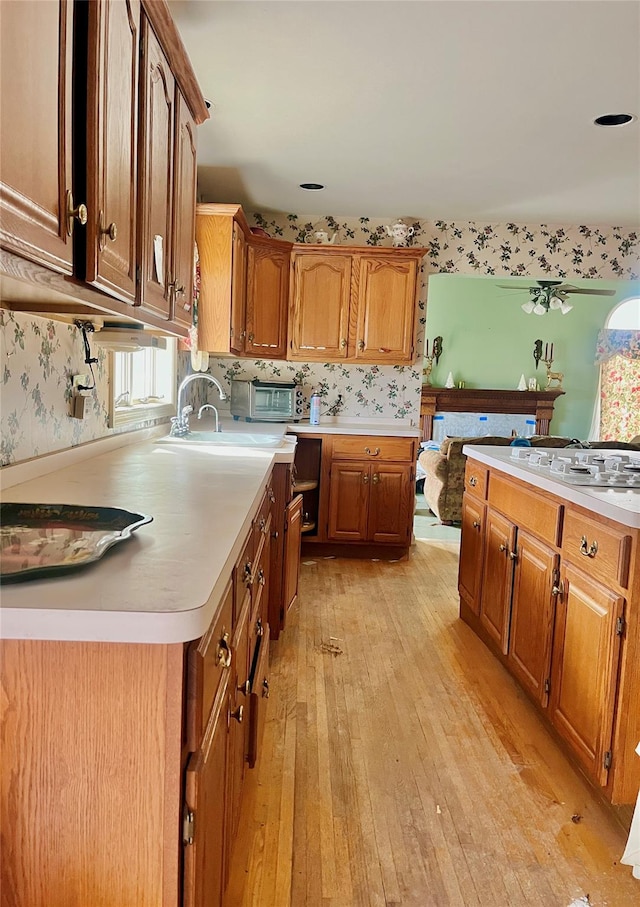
476	400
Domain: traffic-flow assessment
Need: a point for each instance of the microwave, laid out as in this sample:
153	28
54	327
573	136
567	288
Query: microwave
255	400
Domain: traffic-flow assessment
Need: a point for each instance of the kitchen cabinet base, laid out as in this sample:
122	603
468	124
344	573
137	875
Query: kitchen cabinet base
355	549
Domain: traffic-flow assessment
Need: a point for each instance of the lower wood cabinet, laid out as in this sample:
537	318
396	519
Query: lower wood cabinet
585	669
358	491
124	765
553	590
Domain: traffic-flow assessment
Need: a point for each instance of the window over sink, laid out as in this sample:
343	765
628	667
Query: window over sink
143	385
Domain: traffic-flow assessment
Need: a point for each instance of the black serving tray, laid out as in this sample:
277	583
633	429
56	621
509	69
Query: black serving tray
43	540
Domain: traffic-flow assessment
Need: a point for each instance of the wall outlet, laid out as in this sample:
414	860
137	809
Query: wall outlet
80	381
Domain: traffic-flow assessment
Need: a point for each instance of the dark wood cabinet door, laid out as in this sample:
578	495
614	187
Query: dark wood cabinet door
385	317
258	700
471	551
391	504
349	501
495	602
112	129
184	211
585	661
155	161
319	316
238	290
267	302
293	534
205	797
238	717
532	612
35	130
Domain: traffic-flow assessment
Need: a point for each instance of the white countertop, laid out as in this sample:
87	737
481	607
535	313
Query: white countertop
340	425
163	584
620	504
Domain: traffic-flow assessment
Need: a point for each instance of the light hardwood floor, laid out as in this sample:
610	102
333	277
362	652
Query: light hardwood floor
403	766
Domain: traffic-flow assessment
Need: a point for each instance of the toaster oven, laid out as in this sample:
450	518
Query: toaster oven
256	400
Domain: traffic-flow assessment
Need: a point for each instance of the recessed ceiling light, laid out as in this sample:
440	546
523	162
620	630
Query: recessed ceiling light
311	186
614	119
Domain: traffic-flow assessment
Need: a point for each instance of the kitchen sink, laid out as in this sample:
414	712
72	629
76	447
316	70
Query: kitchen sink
228	439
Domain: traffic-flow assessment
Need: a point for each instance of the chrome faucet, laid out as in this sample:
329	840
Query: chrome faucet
215	412
180	422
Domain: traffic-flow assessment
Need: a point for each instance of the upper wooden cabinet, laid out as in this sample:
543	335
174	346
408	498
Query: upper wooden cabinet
244	286
267	300
36	43
303	303
353	304
112	154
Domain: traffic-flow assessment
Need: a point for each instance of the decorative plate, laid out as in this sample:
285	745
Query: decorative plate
42	540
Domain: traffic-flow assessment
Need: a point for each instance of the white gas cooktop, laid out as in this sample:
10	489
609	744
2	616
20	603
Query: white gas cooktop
582	467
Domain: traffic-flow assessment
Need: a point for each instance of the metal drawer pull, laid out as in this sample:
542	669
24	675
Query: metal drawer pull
265	688
261	578
259	627
271	495
247	572
365	478
262	524
476	524
372	453
103	232
588	550
473	481
502	547
375	478
224	651
80	214
245	687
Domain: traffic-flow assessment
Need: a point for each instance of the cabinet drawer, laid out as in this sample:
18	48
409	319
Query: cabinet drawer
362	447
208	661
528	509
475	479
258	699
602	552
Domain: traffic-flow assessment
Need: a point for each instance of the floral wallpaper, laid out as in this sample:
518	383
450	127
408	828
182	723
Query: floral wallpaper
39	355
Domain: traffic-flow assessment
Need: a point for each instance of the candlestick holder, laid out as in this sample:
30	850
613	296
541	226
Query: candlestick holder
436	352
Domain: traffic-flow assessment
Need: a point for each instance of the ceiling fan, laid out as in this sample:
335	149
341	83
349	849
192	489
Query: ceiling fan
552	294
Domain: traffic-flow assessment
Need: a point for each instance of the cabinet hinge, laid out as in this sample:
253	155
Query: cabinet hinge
607	759
620	626
547	685
188	826
286	523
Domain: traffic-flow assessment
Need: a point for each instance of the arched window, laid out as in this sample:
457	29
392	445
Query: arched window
618	354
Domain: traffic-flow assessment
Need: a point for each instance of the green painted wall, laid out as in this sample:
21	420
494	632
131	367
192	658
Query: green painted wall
488	340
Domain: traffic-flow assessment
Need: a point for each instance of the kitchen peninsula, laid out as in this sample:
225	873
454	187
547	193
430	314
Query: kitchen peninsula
549	579
134	689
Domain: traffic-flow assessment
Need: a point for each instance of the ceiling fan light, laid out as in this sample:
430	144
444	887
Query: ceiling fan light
527	307
555	302
539	309
565	308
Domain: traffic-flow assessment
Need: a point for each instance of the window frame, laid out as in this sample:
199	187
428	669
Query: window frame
143	411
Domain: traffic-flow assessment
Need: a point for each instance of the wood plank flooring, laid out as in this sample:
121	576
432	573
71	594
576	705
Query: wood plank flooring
403	766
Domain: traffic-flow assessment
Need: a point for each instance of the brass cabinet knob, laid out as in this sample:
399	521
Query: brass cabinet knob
375	478
110	231
360	344
265	688
558	589
275	534
259	627
343	343
262	524
238	714
79	214
365	478
261	577
586	549
476	524
245	688
473	481
224	651
502	547
247	572
271	495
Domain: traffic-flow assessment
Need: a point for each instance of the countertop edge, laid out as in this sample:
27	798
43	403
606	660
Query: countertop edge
591	499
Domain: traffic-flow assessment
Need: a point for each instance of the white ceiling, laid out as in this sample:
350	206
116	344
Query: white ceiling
467	109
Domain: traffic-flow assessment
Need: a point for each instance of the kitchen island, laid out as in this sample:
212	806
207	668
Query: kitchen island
549	578
134	689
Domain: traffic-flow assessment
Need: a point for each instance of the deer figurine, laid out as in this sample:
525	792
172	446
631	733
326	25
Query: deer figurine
553	376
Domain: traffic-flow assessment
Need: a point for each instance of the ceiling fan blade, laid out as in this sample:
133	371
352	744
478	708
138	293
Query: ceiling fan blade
511	286
586	292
